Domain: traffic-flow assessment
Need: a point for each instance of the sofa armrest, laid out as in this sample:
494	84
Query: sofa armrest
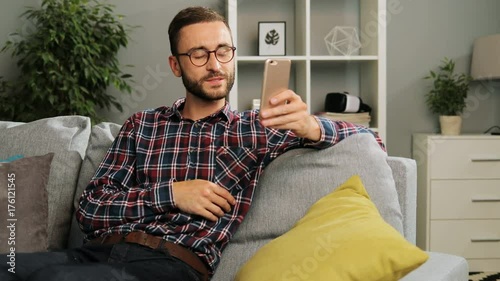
404	171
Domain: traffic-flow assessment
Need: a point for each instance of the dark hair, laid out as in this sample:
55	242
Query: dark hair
190	16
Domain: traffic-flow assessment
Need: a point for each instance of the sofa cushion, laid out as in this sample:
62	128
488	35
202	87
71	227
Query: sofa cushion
23	194
67	138
300	177
341	237
101	138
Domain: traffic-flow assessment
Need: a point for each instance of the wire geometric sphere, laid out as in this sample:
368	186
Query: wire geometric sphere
343	40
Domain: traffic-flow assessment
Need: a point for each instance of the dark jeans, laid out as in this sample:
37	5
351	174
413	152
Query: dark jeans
127	262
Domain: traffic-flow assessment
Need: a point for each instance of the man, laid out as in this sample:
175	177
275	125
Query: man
177	181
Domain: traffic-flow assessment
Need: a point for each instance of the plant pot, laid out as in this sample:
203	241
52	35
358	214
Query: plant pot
450	125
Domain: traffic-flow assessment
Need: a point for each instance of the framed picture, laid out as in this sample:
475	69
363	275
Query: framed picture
272	38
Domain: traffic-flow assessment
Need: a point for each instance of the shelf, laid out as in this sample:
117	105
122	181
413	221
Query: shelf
343	58
315	72
304	58
263	58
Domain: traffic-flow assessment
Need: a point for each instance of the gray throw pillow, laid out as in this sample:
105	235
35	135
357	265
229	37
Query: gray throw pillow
23	194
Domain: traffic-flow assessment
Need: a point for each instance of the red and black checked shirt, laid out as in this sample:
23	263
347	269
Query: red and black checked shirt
131	190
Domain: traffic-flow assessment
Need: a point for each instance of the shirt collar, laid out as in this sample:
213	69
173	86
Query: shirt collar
225	112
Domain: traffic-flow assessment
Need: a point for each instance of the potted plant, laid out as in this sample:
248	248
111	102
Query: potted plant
447	96
67	62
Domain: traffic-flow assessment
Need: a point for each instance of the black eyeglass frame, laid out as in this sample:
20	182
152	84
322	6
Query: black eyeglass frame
188	54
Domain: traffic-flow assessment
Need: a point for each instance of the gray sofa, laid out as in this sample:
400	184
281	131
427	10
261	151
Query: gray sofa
289	185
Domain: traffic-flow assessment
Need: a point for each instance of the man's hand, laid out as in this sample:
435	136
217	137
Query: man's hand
289	112
201	197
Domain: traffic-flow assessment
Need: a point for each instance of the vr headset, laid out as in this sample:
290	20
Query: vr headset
345	103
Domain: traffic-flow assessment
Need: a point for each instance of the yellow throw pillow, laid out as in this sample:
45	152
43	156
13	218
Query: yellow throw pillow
342	237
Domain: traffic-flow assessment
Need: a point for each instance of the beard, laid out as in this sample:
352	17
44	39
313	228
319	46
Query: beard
195	87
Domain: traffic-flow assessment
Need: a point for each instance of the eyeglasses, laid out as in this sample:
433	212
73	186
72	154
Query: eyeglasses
200	57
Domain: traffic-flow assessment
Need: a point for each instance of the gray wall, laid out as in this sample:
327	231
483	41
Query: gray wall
418	37
420	34
10	22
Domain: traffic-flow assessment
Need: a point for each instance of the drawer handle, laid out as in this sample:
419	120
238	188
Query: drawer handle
485	158
485	199
485	240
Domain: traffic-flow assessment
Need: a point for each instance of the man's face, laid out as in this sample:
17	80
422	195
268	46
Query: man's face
214	80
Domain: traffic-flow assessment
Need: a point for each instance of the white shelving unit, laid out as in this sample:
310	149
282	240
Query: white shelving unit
315	73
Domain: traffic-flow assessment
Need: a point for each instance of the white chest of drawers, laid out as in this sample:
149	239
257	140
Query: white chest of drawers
458	201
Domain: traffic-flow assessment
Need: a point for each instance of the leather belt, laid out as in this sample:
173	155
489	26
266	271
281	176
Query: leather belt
155	242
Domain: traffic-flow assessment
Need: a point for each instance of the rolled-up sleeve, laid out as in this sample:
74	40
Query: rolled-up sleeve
332	132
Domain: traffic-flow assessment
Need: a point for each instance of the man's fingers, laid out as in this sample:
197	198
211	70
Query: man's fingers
215	210
222	192
207	209
284	97
202	198
221	202
208	215
289	121
285	110
218	200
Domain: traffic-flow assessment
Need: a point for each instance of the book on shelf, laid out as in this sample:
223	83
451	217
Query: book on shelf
359	118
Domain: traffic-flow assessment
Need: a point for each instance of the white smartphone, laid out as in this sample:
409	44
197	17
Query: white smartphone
276	78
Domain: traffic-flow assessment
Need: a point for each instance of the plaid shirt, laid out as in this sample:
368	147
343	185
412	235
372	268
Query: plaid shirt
131	190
